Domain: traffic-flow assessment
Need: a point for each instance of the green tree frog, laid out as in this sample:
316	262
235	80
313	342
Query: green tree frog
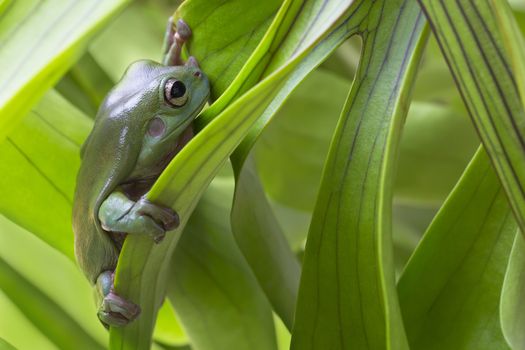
141	125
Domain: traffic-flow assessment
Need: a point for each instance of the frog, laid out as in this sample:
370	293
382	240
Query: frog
142	123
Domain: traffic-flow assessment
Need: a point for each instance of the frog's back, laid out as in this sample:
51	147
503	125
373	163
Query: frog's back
105	164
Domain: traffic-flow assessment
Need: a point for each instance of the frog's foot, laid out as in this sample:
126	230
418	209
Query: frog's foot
183	32
175	42
118	213
165	217
116	311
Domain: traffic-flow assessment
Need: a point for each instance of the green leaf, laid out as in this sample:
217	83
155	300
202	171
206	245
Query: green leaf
3	344
512	42
512	307
296	143
429	167
263	244
450	290
297	140
218	300
224	34
43	312
433	82
255	227
32	276
39	162
85	85
168	329
39	40
18	330
347	296
472	42
4	4
144	22
142	265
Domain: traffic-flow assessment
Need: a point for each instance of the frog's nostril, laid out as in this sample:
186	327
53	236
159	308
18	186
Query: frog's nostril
197	74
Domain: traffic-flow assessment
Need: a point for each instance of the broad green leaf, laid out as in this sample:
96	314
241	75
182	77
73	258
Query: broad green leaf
260	237
18	330
512	307
437	144
344	60
219	301
263	244
472	42
85	85
513	43
46	269
283	335
4	4
450	290
138	31
143	265
297	140
297	25
32	276
254	225
56	324
224	34
39	40
168	329
434	81
39	161
347	296
3	344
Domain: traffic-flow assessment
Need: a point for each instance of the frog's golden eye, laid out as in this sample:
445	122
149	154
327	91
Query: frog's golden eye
175	93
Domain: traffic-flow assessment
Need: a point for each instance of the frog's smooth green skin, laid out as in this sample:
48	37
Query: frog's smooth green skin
142	123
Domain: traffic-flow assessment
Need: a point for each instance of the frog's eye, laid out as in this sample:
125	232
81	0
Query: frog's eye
175	93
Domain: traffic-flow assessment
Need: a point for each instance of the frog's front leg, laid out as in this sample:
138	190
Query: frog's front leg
118	213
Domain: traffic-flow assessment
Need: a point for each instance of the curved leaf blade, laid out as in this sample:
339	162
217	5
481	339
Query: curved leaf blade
212	288
449	291
4	345
39	162
39	40
471	41
512	307
263	244
220	47
256	229
347	296
43	312
29	274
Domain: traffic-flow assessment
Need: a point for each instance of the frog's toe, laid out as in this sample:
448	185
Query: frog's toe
117	311
112	319
183	30
165	216
171	219
159	237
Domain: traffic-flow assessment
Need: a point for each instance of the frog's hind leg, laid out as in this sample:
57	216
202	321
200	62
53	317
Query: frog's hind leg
173	42
114	310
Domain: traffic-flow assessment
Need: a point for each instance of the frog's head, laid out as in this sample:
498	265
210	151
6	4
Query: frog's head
162	101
